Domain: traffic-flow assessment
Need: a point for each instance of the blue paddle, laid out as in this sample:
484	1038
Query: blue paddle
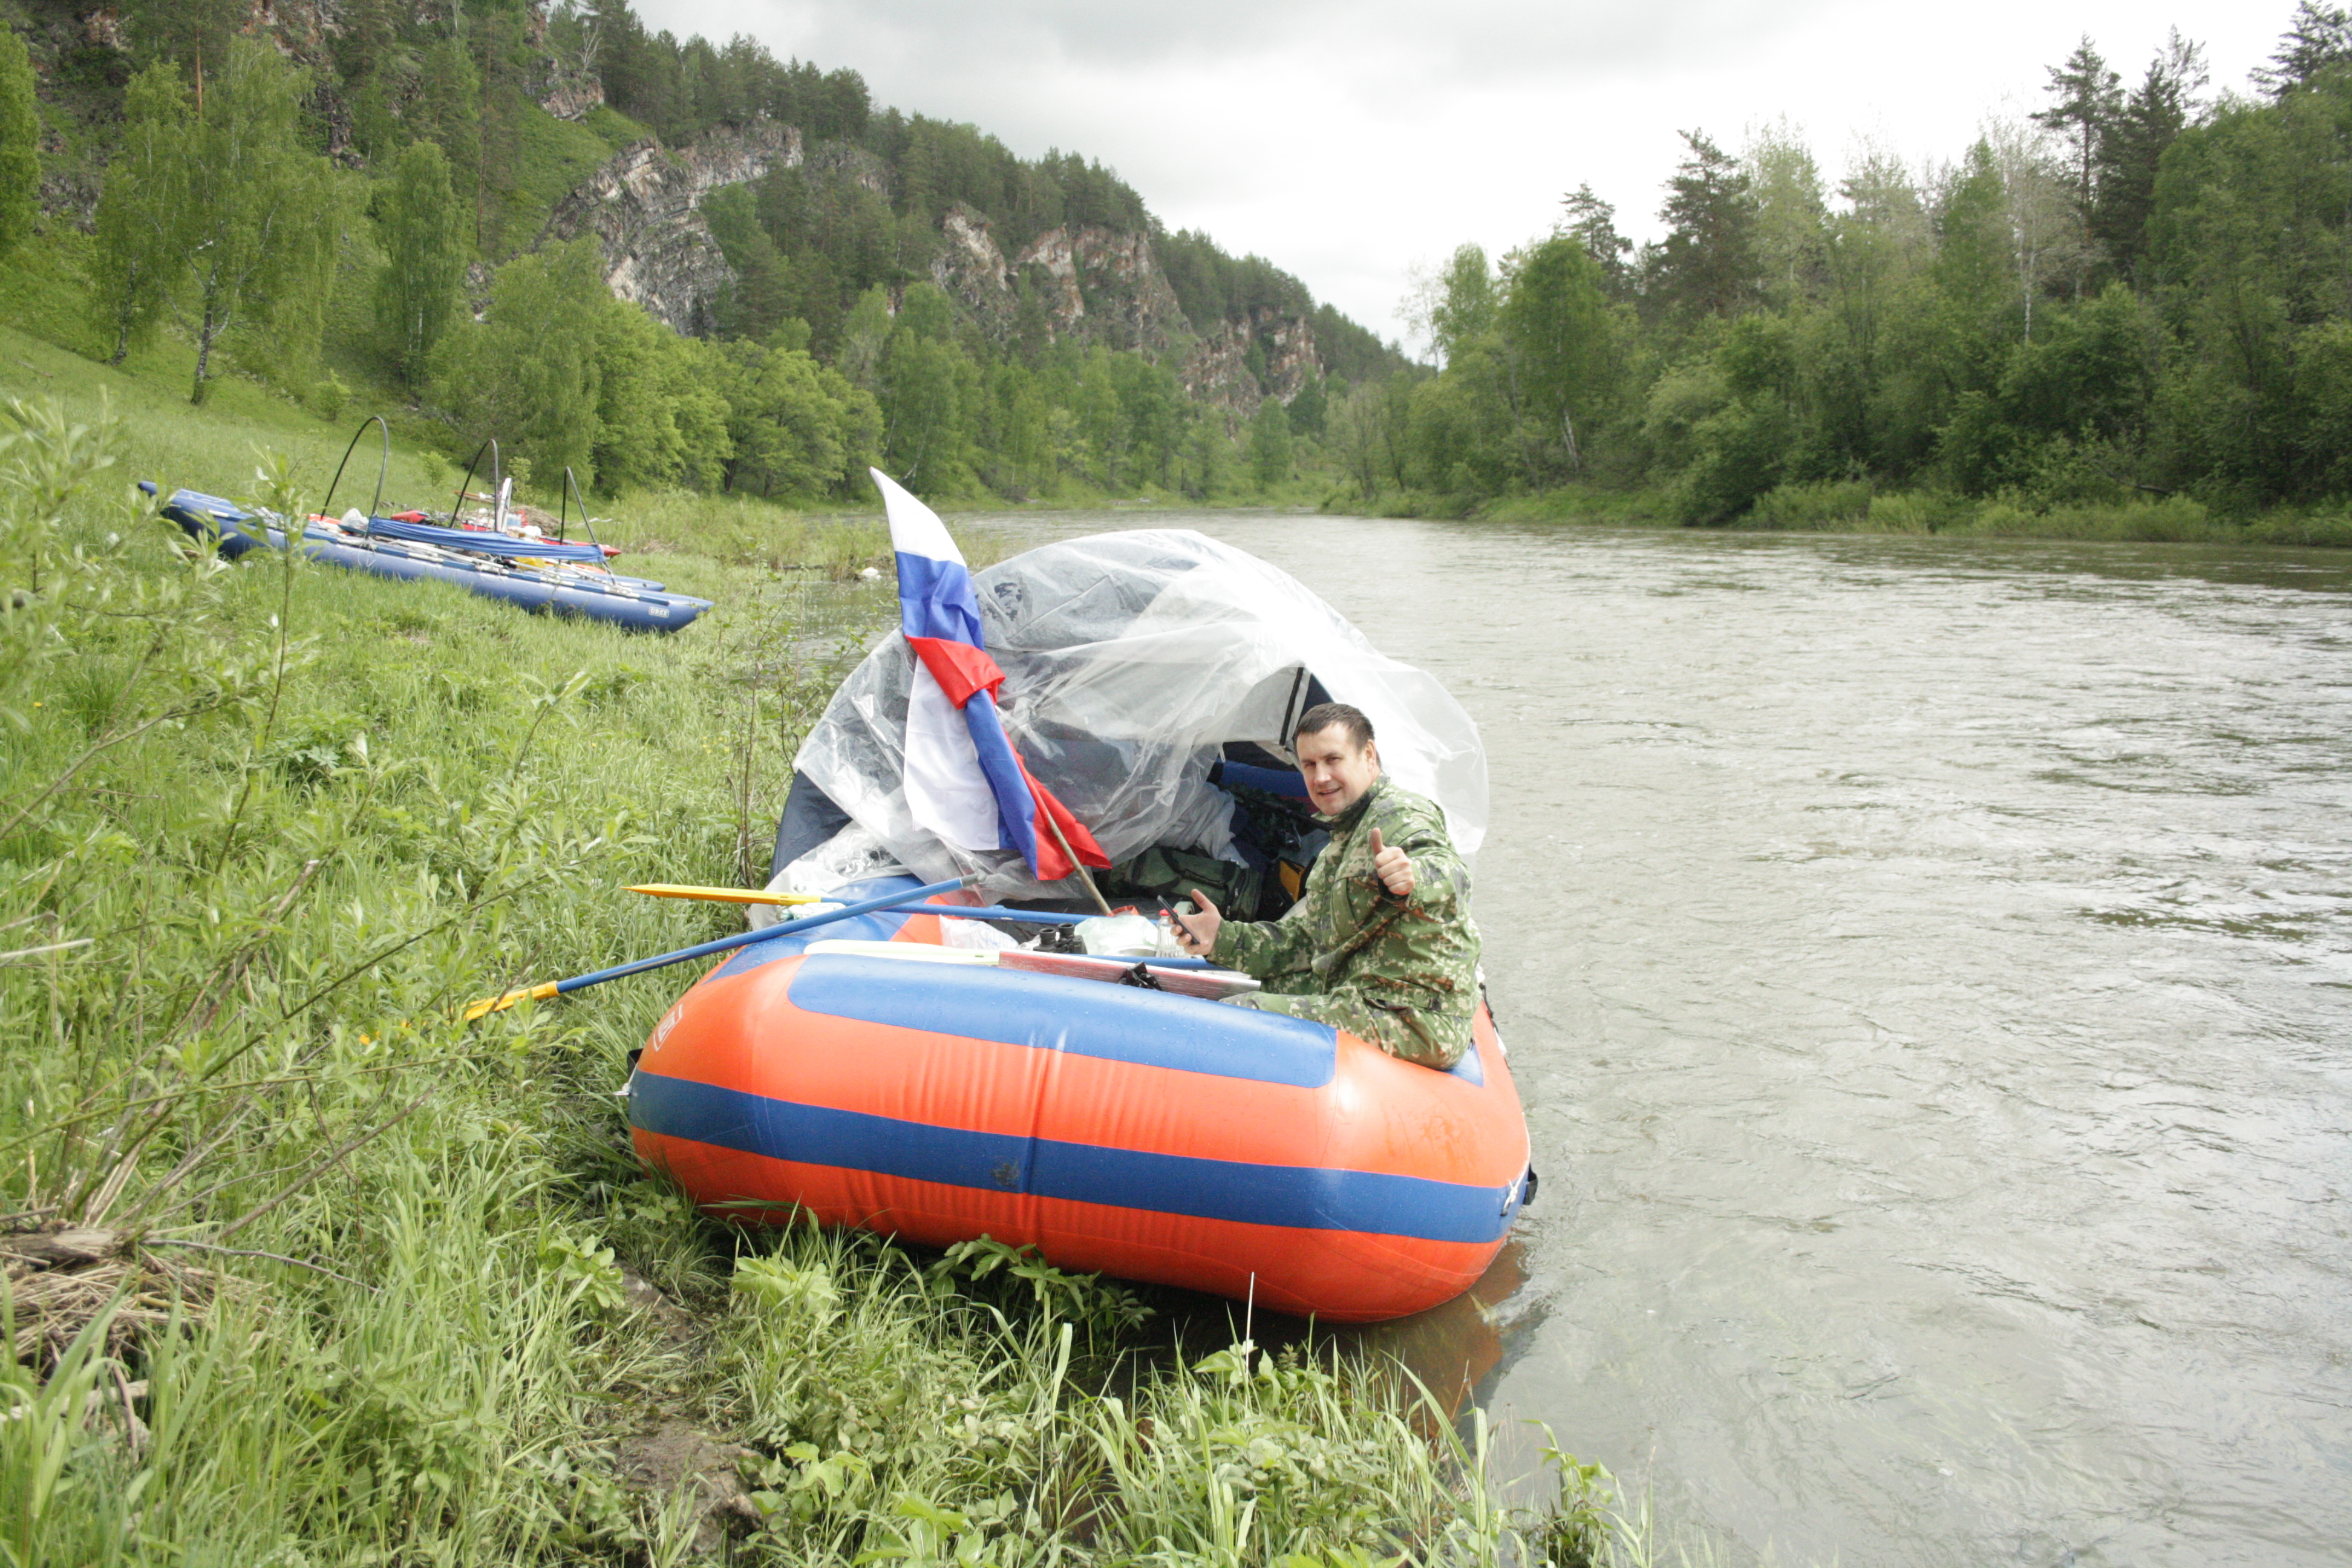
784	928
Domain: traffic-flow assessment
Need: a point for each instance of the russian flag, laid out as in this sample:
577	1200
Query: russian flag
965	783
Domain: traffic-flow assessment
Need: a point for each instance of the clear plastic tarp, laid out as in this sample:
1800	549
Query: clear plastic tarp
1131	660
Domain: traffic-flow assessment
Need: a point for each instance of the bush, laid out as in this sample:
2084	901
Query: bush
1824	504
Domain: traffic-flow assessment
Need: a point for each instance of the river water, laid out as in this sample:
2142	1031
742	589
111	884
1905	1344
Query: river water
1927	966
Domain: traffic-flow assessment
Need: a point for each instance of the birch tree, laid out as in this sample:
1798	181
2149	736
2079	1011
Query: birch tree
256	214
141	213
425	256
20	143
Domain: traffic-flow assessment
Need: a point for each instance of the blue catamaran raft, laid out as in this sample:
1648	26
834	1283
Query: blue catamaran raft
542	574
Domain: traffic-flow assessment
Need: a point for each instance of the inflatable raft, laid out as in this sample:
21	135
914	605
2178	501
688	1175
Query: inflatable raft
547	580
1115	1128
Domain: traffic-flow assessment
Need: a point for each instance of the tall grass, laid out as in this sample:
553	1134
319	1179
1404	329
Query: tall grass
1856	506
300	1269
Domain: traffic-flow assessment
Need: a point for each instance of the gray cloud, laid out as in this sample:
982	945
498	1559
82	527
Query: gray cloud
1346	141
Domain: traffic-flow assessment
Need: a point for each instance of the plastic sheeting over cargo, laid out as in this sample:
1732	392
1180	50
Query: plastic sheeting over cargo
1131	660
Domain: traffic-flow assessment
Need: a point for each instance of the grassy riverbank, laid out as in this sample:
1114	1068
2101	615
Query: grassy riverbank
1858	507
303	1270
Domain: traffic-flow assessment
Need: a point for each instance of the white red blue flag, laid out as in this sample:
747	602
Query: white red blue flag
964	781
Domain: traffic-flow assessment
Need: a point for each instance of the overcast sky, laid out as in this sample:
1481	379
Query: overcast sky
1350	143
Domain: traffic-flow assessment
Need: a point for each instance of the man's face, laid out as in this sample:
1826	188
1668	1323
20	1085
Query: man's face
1337	774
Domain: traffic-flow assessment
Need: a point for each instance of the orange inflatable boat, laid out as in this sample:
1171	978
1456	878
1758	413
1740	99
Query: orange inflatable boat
1141	1133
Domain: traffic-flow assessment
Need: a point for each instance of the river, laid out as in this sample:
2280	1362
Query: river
1927	967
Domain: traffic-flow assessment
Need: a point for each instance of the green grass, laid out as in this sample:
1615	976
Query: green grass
374	1286
555	156
1854	507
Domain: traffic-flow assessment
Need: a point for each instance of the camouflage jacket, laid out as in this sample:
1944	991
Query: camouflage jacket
1415	956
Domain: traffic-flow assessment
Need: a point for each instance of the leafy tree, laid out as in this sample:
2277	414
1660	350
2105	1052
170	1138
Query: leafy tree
1707	264
798	429
1974	262
928	389
1355	436
1270	444
1791	213
532	373
20	143
425	258
2045	228
1879	363
1310	408
2249	231
256	214
1102	423
863	338
1460	310
142	212
447	112
1556	324
638	444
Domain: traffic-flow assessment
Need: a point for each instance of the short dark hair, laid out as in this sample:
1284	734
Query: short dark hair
1323	715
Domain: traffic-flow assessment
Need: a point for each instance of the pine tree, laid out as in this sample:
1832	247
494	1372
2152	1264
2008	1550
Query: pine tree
20	143
2088	95
1706	265
425	256
2155	114
2318	39
1593	222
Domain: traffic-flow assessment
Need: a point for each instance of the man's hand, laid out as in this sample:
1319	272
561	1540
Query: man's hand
1198	933
1393	865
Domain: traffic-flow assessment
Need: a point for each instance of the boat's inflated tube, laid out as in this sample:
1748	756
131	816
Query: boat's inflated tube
1143	1134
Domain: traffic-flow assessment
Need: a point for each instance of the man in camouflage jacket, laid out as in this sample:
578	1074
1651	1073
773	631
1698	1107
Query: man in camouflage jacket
1380	942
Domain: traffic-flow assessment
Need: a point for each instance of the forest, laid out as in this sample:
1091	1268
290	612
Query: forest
363	212
2138	293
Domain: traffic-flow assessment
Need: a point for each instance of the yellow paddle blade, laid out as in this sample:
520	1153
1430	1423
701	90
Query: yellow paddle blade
720	895
489	1004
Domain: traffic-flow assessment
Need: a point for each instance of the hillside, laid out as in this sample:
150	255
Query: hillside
845	284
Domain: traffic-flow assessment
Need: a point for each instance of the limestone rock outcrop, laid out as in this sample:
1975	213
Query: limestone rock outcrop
1218	368
1104	285
971	271
644	207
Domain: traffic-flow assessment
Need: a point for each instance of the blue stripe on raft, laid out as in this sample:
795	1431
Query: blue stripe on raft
1302	1197
1060	1013
936	600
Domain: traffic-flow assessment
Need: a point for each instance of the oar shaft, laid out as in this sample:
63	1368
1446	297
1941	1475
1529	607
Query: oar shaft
703	949
720	895
998	912
744	939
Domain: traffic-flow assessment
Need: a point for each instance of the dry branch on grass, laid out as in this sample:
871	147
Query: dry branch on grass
60	1280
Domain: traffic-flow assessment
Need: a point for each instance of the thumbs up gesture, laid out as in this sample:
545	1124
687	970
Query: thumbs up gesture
1392	865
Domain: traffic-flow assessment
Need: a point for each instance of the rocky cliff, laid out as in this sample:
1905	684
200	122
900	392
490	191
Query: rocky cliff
644	207
1101	286
1218	370
1095	284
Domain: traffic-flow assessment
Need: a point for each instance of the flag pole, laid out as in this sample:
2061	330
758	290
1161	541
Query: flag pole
1084	876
